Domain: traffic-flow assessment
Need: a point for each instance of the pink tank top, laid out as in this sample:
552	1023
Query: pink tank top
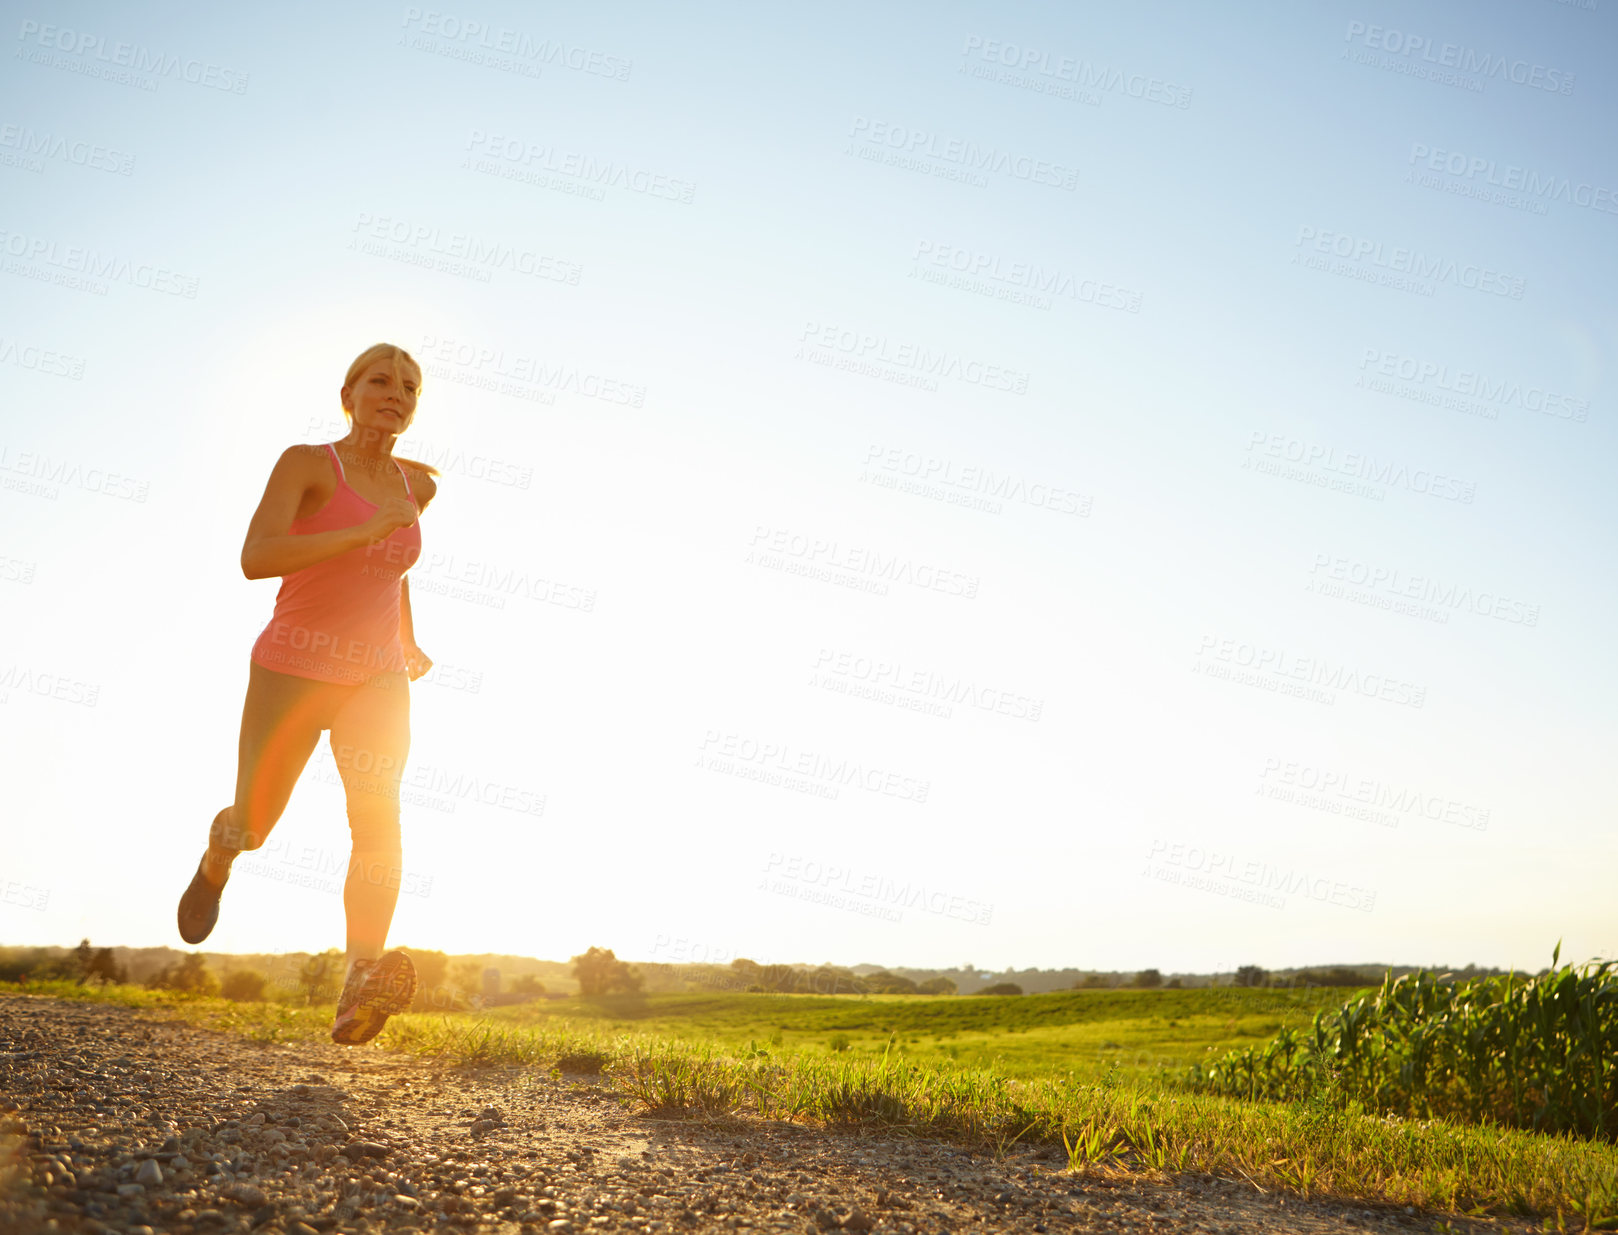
338	620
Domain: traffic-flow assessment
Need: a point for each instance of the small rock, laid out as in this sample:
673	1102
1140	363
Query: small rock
257	1117
301	1228
365	1149
490	1112
406	1202
561	1226
149	1172
505	1196
249	1196
856	1220
483	1125
301	1091
129	1191
179	1162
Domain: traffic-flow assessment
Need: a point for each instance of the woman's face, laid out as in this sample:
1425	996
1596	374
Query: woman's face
379	402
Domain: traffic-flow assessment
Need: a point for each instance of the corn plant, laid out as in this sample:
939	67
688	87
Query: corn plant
1539	1052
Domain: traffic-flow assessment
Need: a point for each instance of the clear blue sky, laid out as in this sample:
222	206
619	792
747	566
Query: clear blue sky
1098	485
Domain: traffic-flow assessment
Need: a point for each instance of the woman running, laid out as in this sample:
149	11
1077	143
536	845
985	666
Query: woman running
339	524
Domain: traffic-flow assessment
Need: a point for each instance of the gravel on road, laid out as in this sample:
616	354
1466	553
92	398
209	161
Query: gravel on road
116	1120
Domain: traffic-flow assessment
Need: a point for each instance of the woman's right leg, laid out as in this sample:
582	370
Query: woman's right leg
282	718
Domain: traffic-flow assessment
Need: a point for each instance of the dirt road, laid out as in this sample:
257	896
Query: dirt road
115	1121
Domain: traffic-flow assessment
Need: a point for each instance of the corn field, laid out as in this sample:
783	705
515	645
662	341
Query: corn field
1538	1053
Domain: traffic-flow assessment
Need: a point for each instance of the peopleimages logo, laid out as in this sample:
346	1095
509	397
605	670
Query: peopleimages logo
1357	466
1039	281
780	763
495	364
480	254
976	479
868	347
874	886
1414	47
131	56
1081	73
1350	786
922	683
1281	664
475	37
969	155
34	145
94	264
533	156
1256	875
1517	179
1427	589
1472	384
40	359
1410	261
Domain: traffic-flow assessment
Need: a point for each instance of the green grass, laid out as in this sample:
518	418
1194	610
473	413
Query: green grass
1056	1083
1086	1034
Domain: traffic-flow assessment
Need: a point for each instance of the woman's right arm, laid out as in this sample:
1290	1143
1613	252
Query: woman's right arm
270	549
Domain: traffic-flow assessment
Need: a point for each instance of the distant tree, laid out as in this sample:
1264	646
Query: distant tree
1092	982
937	986
320	976
190	975
1174	984
1252	975
244	985
465	984
104	969
833	980
17	965
884	983
431	991
527	984
1148	978
1335	976
749	974
94	965
600	972
1001	988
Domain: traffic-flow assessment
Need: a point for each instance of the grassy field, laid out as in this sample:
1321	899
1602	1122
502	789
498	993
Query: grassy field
1090	1073
1079	1034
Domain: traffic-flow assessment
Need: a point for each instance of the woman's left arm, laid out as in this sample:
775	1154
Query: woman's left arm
417	662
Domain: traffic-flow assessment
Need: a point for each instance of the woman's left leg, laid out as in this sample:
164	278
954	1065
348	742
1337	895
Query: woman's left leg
370	740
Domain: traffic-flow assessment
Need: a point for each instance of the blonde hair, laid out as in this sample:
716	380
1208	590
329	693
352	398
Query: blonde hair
387	351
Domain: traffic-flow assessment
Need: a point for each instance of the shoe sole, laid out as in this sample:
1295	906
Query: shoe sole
387	990
196	891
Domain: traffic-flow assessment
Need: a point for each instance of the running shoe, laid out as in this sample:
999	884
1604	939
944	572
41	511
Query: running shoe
375	990
199	906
